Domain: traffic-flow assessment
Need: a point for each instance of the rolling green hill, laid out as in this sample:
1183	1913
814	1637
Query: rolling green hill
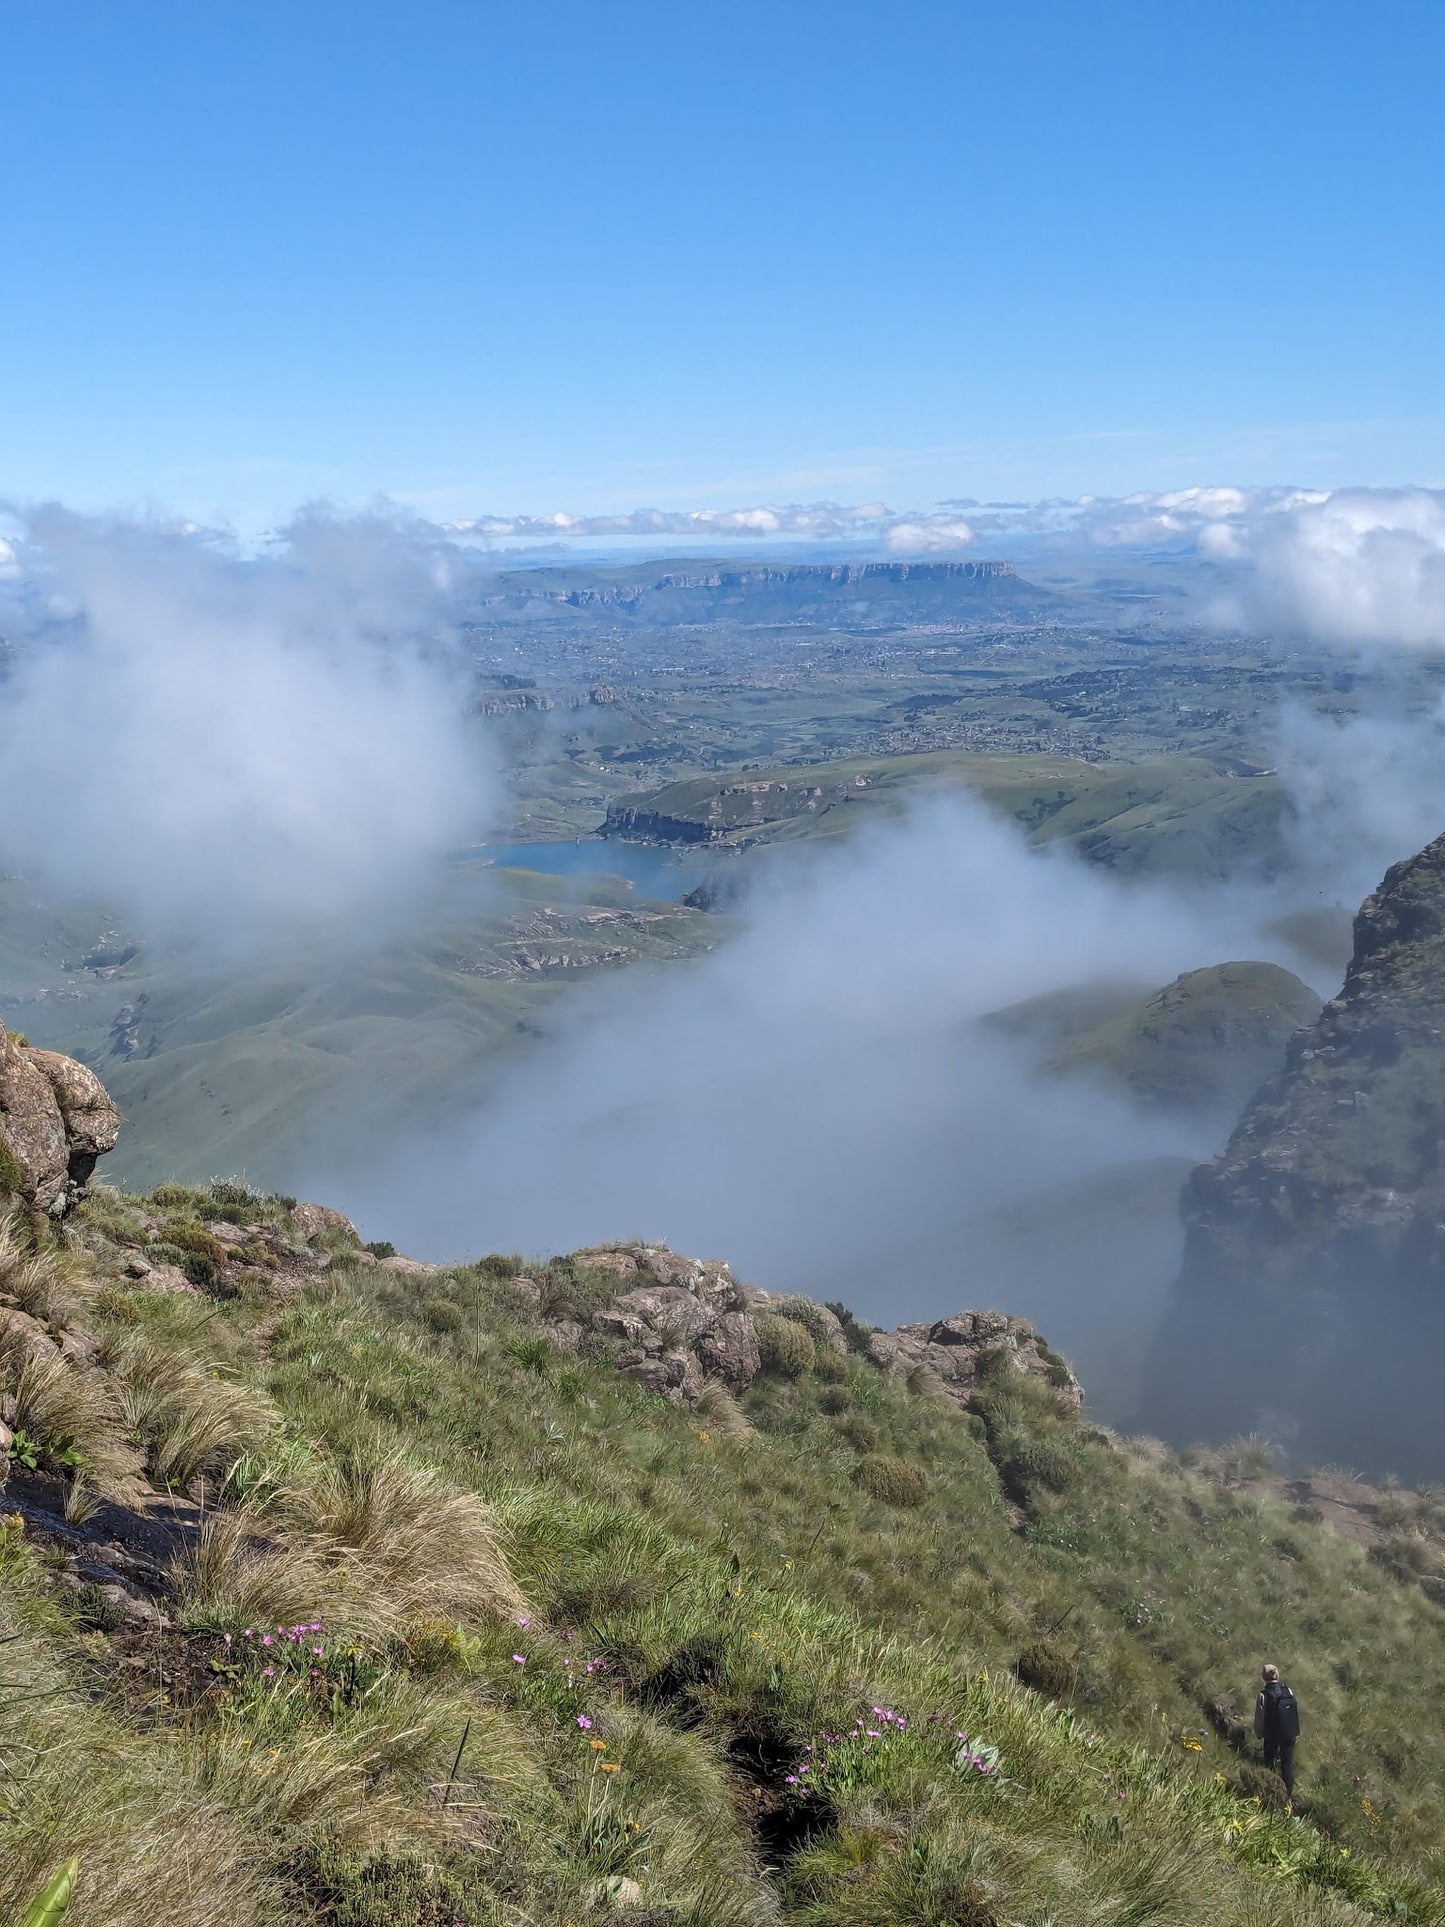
250	1065
1205	1042
1170	814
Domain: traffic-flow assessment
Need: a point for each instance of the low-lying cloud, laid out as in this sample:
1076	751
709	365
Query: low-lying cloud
817	1102
237	746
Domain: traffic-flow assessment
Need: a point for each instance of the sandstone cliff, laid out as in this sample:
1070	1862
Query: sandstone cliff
56	1120
1312	1297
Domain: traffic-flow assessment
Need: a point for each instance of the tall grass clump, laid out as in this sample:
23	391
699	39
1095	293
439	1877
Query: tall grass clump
189	1421
46	1283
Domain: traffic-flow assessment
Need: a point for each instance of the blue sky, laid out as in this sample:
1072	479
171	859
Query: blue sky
486	257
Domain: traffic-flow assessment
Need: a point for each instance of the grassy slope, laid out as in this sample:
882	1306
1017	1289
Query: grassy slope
743	1594
244	1071
1209	1039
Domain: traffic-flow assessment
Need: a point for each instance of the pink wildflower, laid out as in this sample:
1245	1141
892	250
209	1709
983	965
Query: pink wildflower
519	1659
584	1722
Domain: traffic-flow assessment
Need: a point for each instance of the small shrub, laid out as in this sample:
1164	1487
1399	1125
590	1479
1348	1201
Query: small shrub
855	1332
1048	1669
195	1265
177	1197
348	1888
830	1366
380	1248
863	1434
1046	1461
188	1235
804	1312
96	1612
235	1195
787	1347
890	1480
499	1264
443	1316
1261	1783
836	1401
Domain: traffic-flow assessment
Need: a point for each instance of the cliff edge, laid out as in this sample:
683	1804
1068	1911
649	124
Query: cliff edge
1311	1301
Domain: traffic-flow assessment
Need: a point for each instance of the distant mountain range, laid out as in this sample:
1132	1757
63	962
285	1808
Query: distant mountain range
853	594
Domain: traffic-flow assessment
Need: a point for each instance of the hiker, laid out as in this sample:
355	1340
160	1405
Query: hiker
1276	1722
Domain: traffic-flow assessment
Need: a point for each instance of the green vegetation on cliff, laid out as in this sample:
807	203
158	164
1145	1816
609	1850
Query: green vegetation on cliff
546	1647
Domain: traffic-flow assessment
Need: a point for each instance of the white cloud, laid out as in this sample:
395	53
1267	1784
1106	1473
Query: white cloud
1354	566
238	746
928	535
811	521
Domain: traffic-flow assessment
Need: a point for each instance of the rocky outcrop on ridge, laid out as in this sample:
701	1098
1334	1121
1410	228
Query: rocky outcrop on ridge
56	1120
1312	1296
682	1321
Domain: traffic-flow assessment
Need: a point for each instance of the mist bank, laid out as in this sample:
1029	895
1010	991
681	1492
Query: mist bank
819	1102
233	750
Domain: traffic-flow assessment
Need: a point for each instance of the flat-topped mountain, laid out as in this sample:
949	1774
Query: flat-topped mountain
846	594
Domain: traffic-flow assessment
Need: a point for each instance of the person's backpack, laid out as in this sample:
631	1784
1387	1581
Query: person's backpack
1286	1711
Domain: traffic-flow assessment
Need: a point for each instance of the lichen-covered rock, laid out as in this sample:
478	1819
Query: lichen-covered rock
729	1350
56	1120
312	1219
682	1321
952	1350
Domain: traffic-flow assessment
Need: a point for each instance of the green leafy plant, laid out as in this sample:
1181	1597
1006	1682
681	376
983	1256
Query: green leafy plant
52	1902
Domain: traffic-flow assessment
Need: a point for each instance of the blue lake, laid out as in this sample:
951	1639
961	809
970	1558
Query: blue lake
654	871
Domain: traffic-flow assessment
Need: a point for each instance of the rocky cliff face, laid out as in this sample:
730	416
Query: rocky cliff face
56	1120
1312	1298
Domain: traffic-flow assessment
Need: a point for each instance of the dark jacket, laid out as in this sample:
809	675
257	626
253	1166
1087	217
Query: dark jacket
1267	1721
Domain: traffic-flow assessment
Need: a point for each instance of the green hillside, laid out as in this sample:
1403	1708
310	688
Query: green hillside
1206	1041
1173	814
549	1648
251	1067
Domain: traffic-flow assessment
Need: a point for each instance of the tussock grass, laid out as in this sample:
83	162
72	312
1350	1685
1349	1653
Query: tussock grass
61	1408
417	1545
189	1421
44	1282
375	1546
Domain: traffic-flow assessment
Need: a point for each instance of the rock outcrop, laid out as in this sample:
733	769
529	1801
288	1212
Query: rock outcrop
56	1120
1312	1297
682	1321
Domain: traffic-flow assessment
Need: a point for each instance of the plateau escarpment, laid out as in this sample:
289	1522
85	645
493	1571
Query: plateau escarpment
1312	1298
